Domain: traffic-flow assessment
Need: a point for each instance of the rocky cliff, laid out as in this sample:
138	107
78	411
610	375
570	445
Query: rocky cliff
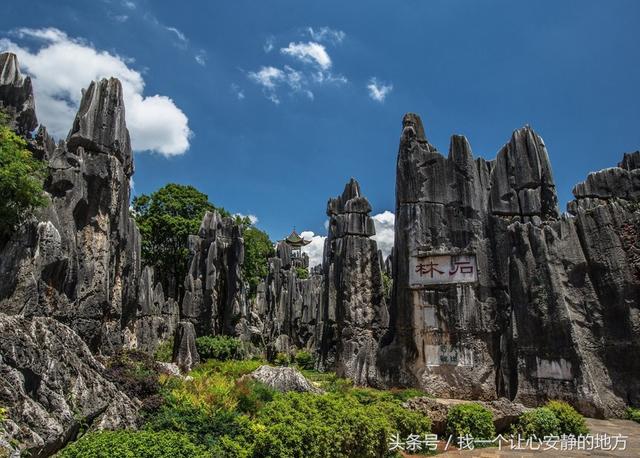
497	294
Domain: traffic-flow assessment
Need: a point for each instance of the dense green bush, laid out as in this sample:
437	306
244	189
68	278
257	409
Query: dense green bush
305	360
138	444
633	414
282	359
331	425
302	273
470	419
571	422
538	422
219	347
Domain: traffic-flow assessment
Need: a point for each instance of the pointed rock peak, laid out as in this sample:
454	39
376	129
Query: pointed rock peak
16	95
460	149
351	190
9	70
100	122
630	161
412	128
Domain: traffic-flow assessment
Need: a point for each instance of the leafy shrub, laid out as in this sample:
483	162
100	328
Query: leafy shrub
303	424
252	395
302	273
633	414
204	424
305	360
282	359
164	352
571	422
538	422
470	419
408	393
219	347
231	369
139	444
135	373
21	180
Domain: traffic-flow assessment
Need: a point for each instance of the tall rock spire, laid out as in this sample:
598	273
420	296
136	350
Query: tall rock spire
16	95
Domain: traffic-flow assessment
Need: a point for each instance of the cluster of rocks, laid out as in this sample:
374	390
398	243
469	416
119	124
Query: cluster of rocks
495	293
552	308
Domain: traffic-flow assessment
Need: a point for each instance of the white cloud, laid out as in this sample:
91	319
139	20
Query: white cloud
310	52
315	249
62	66
129	4
201	58
384	223
252	218
270	78
378	91
268	45
181	36
326	34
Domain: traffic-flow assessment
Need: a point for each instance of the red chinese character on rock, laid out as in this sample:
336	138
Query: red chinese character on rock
465	267
426	269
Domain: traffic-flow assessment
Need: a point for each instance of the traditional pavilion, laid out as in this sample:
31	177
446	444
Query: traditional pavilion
296	243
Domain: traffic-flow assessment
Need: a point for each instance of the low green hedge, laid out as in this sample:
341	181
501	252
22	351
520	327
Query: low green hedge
134	444
220	347
470	419
554	419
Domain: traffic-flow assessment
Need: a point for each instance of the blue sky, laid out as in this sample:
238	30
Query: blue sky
480	68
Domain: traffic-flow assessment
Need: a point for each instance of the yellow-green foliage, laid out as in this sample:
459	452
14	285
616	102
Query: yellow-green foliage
138	444
164	352
470	419
571	422
21	178
633	414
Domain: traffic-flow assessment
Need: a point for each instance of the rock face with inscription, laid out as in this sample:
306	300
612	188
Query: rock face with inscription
497	294
354	315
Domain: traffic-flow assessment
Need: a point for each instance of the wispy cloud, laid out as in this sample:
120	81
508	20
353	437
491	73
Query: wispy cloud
326	35
201	57
310	52
181	36
239	93
129	4
378	91
268	45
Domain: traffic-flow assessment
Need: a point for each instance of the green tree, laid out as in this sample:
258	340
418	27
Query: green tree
21	178
257	251
166	218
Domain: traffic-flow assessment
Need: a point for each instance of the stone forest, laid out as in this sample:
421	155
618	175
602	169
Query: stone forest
492	296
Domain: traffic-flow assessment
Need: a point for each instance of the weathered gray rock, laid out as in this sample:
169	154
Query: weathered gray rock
284	379
16	95
78	260
552	296
214	298
51	386
185	353
354	313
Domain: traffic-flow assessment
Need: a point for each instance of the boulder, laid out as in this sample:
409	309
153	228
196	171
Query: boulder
52	386
283	379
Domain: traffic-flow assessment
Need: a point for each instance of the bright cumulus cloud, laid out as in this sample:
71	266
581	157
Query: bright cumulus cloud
378	91
384	223
315	249
61	66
